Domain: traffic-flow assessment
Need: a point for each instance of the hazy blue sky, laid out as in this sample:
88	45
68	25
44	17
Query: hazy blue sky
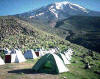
10	7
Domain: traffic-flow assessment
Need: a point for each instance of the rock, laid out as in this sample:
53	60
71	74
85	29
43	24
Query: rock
87	66
64	77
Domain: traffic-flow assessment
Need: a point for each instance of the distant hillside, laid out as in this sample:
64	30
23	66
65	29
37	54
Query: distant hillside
82	30
20	34
17	33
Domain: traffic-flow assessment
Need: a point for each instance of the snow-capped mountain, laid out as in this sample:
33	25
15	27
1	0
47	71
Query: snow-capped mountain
58	11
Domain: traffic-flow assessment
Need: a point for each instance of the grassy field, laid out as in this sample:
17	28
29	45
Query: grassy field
24	71
77	71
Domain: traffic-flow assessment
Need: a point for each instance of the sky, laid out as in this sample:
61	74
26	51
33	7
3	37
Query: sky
11	7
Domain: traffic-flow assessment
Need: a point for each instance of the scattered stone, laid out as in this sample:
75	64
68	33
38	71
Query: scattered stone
64	77
87	66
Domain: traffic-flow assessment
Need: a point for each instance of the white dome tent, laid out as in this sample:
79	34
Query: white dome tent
19	56
69	53
1	61
15	56
65	60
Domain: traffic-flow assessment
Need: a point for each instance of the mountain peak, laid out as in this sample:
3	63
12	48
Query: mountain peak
63	2
61	5
57	11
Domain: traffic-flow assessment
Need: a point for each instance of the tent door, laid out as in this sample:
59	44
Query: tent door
8	59
37	53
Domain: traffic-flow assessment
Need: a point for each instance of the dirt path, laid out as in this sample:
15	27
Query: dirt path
22	71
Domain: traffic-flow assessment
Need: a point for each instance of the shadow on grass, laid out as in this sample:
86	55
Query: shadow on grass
24	71
28	71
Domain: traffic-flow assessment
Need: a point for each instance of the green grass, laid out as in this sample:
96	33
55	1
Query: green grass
77	71
32	60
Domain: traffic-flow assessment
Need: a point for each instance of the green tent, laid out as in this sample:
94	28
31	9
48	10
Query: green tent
50	63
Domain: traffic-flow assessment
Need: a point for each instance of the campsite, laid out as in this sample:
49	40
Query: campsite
49	39
40	67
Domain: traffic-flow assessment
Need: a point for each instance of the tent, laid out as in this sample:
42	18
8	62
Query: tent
1	61
15	56
52	50
50	63
63	57
19	56
39	52
7	51
10	58
69	51
68	56
30	54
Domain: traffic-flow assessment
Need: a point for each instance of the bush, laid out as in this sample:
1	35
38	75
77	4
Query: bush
2	54
88	59
51	45
62	48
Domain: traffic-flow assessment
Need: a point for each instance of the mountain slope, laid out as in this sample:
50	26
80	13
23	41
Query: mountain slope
83	30
15	33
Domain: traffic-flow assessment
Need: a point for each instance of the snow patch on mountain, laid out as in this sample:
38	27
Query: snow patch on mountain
39	14
60	5
36	15
54	11
83	9
31	17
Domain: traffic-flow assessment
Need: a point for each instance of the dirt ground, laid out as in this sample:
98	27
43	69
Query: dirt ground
22	71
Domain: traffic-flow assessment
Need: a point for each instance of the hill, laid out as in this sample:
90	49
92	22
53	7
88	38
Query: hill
20	34
16	33
82	30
